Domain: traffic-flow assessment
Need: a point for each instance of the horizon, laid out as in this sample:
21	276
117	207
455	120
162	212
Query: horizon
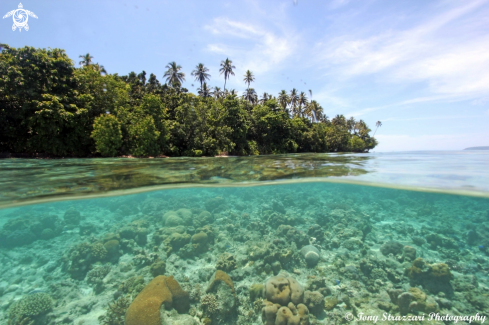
419	68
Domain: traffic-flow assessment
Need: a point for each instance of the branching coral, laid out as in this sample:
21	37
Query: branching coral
116	312
30	307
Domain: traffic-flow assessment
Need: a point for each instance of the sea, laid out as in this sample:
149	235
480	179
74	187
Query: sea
387	238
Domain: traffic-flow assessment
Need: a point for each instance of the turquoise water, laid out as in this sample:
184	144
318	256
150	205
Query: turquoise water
317	235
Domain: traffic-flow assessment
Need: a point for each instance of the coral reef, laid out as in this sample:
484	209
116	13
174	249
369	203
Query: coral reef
311	255
145	309
298	254
30	308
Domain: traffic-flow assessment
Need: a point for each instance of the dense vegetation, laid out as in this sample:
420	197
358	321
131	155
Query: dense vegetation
48	106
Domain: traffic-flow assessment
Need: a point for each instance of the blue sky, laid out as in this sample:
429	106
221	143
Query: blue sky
421	67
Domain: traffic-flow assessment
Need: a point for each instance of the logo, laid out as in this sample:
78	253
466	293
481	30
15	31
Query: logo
349	316
20	17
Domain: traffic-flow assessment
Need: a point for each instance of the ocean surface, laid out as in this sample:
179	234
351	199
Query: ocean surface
287	239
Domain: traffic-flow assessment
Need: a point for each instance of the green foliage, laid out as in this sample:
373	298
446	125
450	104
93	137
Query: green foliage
357	144
107	135
337	138
47	106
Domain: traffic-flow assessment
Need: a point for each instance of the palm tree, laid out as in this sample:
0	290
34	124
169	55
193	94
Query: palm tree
363	129
173	75
283	99
315	109
200	73
310	93
100	68
339	120
249	77
250	95
204	91
232	92
227	68
265	97
350	124
218	93
302	101
378	124
308	112
293	98
87	59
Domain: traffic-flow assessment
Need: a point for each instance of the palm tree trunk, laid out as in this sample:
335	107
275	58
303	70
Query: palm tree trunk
224	83
375	132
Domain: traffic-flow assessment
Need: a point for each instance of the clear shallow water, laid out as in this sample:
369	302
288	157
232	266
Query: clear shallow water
79	257
36	180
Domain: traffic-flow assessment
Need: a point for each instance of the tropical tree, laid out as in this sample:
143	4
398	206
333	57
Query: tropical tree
351	124
316	110
218	93
204	91
100	68
173	75
310	93
339	121
227	68
302	101
378	124
265	97
200	73
293	98
251	96
86	59
249	78
283	99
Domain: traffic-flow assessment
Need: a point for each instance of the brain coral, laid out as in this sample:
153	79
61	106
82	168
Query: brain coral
282	289
311	255
145	309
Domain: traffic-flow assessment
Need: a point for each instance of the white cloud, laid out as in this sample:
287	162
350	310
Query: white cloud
260	49
447	51
438	98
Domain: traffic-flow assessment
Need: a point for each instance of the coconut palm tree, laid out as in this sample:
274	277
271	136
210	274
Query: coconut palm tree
307	111
315	109
99	68
250	96
200	73
218	93
232	92
87	59
339	121
310	93
265	97
173	75
283	99
350	124
204	91
293	98
302	101
249	77
378	124
227	68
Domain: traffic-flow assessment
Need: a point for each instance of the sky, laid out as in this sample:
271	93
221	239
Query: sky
420	67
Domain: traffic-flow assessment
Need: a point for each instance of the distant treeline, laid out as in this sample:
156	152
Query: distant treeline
47	106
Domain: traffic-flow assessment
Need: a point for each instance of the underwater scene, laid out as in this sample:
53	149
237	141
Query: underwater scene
302	251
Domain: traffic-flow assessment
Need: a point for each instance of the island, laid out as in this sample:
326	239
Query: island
478	148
